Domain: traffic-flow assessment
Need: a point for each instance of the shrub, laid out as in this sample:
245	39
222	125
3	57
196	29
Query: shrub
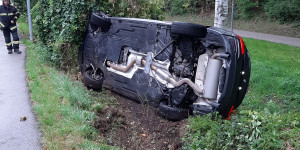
283	10
250	130
60	25
179	7
246	8
22	4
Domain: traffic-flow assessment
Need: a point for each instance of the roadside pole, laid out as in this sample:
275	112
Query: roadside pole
232	15
29	20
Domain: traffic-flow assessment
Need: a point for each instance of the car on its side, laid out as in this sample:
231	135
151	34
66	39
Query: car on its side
182	68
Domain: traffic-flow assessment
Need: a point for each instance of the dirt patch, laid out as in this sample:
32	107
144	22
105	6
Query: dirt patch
131	125
288	146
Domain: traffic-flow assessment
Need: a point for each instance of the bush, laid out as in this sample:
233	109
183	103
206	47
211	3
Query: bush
284	11
22	4
179	7
60	25
246	8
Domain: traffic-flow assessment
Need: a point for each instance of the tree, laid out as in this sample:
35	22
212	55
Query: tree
221	13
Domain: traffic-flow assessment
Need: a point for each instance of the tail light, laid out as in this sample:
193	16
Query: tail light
242	45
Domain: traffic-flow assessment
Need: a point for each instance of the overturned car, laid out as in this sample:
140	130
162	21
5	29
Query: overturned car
181	68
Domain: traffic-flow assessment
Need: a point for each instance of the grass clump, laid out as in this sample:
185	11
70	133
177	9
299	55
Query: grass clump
64	108
269	116
23	26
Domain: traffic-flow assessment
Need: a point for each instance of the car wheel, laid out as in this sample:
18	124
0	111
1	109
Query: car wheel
172	113
244	80
100	20
188	29
91	77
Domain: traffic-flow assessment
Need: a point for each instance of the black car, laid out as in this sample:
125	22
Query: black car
182	68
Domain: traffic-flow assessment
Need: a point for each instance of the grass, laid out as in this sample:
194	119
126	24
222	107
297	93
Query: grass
269	116
65	110
23	26
256	24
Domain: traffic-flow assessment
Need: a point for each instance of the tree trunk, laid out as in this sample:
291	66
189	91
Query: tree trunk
221	14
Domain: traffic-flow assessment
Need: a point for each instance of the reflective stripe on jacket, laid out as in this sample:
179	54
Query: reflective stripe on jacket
6	15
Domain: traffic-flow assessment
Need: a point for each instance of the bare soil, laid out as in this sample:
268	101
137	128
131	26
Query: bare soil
135	126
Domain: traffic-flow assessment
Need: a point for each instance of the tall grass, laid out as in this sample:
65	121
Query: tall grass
23	25
64	108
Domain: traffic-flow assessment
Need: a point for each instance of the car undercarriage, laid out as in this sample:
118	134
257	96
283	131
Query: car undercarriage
181	68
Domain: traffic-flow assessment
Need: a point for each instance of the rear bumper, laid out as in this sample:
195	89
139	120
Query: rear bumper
235	85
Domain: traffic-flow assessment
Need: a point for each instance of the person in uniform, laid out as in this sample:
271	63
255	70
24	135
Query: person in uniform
8	24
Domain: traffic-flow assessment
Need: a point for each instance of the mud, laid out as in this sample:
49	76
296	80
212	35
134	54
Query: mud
135	126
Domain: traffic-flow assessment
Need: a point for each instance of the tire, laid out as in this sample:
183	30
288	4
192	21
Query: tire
88	80
172	113
100	20
188	29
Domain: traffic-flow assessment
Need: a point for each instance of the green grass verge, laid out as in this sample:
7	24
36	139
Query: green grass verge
64	108
269	116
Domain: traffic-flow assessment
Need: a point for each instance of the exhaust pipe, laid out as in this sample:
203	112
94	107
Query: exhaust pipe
122	69
168	78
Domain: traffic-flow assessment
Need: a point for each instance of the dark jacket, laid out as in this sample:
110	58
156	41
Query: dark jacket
6	15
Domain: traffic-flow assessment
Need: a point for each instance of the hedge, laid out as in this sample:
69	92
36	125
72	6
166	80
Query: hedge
60	24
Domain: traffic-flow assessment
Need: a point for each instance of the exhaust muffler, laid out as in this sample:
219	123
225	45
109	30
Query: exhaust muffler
211	81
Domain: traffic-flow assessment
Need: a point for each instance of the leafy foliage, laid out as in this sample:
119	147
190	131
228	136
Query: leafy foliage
134	8
179	7
249	130
22	4
246	8
283	10
60	24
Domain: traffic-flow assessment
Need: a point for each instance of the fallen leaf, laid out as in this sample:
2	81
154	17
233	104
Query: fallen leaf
22	118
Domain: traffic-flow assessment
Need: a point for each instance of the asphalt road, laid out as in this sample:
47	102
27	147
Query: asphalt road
14	103
269	37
